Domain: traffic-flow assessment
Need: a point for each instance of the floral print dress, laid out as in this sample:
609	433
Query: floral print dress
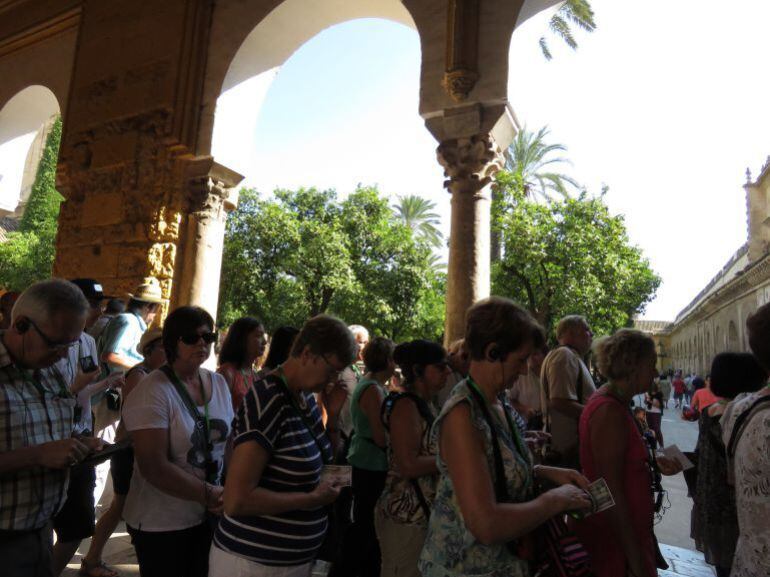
450	548
751	468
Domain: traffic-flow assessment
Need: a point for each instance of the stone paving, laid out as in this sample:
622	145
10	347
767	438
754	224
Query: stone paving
673	531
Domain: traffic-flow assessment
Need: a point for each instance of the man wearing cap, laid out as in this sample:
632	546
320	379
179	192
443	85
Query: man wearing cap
80	369
117	346
37	448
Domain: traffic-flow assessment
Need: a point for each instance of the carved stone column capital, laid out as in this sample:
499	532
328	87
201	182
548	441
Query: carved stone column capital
469	163
211	188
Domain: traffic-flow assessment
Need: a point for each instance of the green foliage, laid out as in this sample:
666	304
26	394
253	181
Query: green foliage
569	256
28	254
573	12
417	213
530	160
305	252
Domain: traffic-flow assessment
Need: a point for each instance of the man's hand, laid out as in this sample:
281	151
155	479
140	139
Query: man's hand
82	380
62	454
116	380
94	444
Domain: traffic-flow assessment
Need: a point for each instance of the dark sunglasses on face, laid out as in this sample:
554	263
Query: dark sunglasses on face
194	338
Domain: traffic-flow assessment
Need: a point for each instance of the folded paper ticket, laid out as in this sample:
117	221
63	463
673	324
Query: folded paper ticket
340	475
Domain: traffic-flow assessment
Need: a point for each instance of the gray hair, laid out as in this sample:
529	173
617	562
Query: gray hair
359	330
568	323
46	299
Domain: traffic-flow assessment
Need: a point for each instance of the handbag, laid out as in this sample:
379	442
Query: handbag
552	549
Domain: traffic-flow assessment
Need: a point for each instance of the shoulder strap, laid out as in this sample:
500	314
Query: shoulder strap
185	397
580	377
501	490
390	402
741	422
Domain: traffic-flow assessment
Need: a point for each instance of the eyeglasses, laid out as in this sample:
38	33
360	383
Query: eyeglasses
194	338
333	372
57	346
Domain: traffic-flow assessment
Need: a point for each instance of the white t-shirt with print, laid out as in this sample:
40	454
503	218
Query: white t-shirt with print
155	404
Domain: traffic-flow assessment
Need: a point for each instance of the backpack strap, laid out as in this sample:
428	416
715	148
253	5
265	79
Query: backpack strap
741	422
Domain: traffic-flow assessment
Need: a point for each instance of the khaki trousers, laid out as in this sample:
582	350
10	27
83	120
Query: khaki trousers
400	546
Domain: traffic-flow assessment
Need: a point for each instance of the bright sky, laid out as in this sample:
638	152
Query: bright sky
663	103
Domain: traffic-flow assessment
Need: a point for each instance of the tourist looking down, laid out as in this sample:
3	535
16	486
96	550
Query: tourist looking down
472	523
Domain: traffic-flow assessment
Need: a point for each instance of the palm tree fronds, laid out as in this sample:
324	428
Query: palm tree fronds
544	49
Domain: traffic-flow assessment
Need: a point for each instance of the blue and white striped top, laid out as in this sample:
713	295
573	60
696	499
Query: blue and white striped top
268	418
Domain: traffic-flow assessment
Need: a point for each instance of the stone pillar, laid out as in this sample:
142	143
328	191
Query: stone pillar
469	163
155	210
199	261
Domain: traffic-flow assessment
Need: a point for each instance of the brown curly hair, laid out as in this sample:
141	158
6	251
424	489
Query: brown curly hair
619	355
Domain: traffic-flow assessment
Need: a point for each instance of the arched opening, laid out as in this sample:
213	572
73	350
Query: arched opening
30	130
318	119
25	121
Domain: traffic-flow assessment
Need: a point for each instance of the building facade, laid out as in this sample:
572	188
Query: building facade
715	320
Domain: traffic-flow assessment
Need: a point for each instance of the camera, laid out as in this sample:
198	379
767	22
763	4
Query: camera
87	364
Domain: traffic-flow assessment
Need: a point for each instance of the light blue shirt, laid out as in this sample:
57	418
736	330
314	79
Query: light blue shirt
121	336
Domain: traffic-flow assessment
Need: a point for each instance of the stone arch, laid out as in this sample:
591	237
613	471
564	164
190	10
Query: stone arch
249	38
24	123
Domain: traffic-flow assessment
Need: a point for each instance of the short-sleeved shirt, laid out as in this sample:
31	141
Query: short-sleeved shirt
35	408
527	390
155	404
364	452
293	435
120	336
562	370
69	367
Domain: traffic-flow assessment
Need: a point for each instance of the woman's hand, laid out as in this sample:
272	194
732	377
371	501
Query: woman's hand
570	498
668	466
560	476
325	493
214	501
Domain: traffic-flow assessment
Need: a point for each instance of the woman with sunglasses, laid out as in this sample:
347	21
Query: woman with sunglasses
275	517
403	510
179	418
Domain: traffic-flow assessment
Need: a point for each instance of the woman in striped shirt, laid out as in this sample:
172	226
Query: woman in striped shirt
275	518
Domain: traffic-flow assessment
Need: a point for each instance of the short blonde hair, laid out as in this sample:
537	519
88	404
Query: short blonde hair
619	355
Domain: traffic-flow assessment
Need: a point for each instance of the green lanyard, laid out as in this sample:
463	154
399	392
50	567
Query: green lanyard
278	372
513	428
182	389
205	424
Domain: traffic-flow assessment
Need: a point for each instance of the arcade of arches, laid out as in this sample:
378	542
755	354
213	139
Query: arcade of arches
715	320
138	82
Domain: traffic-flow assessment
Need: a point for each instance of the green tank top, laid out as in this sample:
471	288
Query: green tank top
364	452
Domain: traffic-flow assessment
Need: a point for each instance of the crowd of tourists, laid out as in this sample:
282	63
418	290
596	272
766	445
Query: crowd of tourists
494	457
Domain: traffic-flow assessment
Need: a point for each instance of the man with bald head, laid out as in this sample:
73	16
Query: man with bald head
36	419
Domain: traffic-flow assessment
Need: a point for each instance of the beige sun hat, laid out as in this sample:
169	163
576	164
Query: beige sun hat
148	336
149	292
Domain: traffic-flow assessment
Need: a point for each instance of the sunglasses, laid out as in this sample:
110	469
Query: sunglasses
194	338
